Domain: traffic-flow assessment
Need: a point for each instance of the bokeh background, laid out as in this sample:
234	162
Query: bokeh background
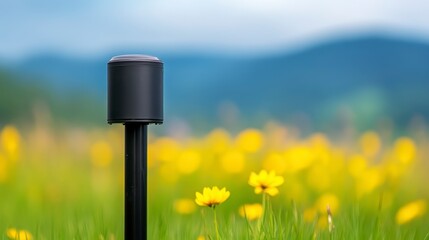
345	75
318	65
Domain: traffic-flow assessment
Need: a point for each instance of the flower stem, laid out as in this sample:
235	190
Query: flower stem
215	223
264	207
261	220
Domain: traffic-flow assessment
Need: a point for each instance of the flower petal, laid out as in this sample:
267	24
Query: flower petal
258	190
199	199
272	191
253	179
226	196
263	174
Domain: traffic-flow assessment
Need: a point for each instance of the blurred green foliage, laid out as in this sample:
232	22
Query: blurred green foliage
22	98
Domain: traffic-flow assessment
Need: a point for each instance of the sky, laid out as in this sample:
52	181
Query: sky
91	27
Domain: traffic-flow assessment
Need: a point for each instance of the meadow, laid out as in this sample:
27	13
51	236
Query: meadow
67	183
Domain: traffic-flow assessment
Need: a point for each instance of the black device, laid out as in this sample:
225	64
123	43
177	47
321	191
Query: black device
135	99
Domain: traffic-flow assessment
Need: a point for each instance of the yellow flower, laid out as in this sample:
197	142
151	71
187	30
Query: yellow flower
410	211
298	158
184	206
310	214
369	180
265	182
233	161
274	160
15	234
251	211
10	141
167	149
188	161
250	140
405	150
218	140
325	200
211	197
357	165
370	144
101	154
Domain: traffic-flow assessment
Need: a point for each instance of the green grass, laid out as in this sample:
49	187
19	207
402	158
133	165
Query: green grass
57	193
64	207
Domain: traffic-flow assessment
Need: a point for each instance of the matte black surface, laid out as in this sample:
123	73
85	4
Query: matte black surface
135	90
135	98
135	181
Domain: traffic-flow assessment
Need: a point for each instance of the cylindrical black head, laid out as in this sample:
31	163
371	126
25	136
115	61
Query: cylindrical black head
135	89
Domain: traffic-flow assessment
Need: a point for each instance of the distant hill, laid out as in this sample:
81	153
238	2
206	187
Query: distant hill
363	79
22	96
16	99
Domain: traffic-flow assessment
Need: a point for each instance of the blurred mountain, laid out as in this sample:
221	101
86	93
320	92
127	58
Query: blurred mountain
14	97
25	99
362	79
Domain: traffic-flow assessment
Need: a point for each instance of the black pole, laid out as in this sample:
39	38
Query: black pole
135	181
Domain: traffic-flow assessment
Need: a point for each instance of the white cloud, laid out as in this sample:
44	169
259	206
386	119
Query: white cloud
254	23
245	25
